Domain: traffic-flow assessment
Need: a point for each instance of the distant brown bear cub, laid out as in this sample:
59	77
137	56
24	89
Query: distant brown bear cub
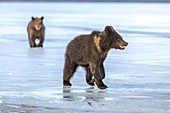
90	52
36	30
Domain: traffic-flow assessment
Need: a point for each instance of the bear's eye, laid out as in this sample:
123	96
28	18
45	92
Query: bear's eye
118	40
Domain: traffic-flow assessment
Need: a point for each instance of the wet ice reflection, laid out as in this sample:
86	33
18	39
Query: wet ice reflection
89	93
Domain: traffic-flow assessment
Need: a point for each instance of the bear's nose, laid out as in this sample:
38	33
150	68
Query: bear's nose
38	28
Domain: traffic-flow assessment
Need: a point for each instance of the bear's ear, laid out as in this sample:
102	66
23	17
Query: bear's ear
42	18
32	18
108	29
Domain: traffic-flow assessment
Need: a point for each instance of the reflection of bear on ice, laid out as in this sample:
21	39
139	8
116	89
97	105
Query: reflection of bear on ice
36	30
90	52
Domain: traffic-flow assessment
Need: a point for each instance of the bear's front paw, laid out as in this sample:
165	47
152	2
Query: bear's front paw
66	83
103	86
91	83
39	45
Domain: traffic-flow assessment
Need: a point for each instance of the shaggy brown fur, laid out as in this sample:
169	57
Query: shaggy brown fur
90	52
36	30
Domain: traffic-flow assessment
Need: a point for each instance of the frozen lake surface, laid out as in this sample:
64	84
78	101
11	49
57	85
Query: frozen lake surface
138	78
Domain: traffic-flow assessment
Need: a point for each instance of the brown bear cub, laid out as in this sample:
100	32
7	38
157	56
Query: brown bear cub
36	30
90	52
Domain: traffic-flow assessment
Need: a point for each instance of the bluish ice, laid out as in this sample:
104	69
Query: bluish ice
138	77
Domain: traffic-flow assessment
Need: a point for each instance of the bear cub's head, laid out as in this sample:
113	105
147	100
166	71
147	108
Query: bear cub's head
115	40
37	22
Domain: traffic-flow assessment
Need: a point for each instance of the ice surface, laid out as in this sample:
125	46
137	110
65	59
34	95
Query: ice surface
138	77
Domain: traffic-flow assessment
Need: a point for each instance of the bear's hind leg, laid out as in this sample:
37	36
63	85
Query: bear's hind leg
69	70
